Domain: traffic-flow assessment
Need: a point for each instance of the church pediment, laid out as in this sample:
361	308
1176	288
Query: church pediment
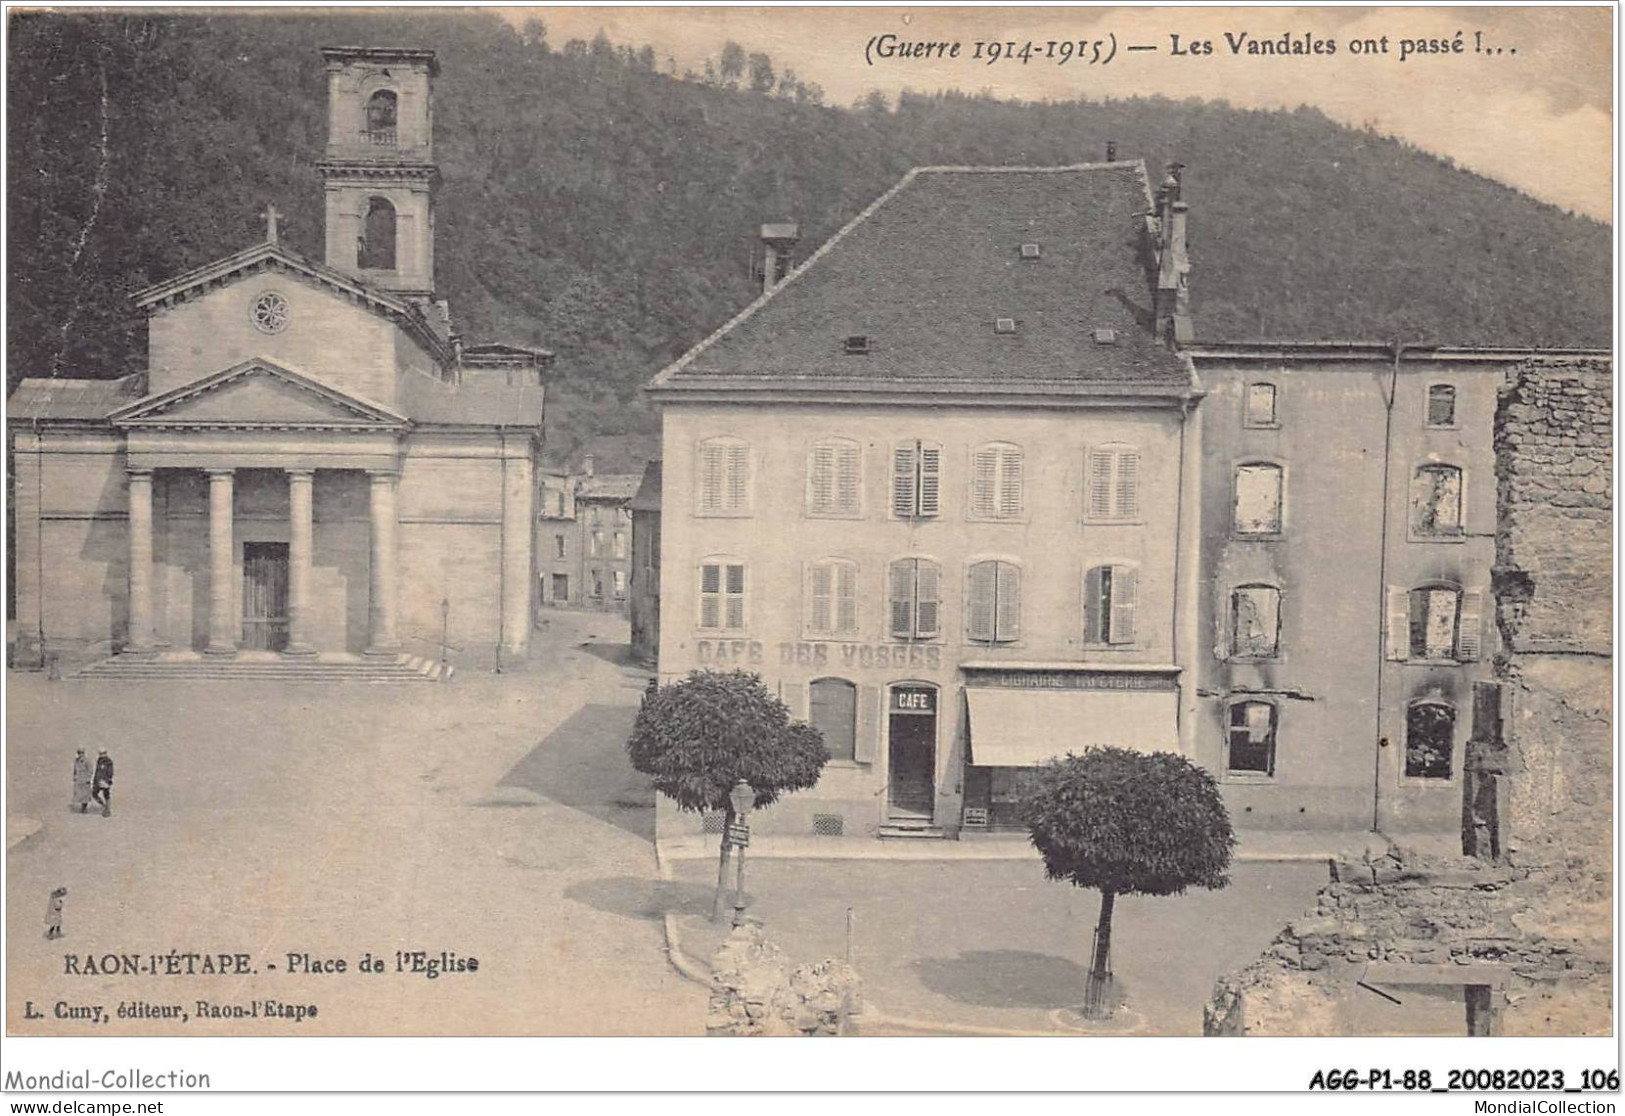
258	394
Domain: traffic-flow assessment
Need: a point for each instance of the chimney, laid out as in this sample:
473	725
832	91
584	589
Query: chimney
1111	151
586	465
777	241
1173	262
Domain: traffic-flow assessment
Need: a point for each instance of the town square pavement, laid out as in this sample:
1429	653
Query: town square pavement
494	817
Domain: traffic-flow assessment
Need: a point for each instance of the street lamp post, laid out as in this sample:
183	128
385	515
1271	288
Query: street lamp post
742	797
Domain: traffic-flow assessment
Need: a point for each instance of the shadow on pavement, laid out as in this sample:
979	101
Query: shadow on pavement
582	764
1004	978
618	653
631	897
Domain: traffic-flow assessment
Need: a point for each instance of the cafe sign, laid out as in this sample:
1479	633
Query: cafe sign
914	699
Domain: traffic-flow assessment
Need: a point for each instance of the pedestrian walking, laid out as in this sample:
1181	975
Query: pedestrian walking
103	782
53	914
82	777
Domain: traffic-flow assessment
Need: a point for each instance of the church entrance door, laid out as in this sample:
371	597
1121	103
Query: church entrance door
265	596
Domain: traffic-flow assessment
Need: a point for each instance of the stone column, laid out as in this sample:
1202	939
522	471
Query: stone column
140	638
301	553
518	544
224	623
381	612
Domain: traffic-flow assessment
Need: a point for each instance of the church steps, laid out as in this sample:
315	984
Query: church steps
406	668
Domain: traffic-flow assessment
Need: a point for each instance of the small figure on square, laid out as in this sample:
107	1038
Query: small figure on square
103	789
82	782
53	914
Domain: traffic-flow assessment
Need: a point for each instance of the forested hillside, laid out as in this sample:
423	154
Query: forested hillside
606	210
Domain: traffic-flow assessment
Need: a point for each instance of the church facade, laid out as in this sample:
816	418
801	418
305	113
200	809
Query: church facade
313	463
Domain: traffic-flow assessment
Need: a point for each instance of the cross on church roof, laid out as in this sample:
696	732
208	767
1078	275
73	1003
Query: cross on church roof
272	216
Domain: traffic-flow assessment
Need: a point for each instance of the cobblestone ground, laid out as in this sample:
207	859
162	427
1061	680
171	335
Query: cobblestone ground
494	818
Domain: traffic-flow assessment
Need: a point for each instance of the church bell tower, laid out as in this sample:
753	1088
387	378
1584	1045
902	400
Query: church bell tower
379	172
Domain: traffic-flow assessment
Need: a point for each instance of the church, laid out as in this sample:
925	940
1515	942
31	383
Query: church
314	468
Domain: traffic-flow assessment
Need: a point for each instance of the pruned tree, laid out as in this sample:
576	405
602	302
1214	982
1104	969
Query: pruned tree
732	62
696	738
1127	823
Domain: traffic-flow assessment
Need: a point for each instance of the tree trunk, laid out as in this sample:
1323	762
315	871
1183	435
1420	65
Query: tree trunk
722	867
1101	965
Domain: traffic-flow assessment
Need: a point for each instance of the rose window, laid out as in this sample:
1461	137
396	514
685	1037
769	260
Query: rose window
270	313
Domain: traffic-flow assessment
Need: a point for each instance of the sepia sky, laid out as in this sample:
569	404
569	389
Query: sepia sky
1539	115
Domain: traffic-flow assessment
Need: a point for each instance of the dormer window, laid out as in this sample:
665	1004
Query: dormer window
856	345
1004	325
381	118
1029	252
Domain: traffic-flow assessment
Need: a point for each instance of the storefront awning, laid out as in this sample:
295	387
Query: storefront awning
1024	728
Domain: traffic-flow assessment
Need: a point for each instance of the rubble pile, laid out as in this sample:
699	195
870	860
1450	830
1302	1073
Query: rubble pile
756	992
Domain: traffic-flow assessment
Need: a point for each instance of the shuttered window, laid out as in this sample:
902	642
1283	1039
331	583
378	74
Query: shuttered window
1109	601
1436	623
996	482
1255	622
916	479
1112	485
832	598
724	480
915	599
832	709
1258	499
722	595
834	478
993	603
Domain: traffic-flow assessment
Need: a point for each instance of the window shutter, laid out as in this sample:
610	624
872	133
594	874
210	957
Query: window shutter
738	462
846	597
1470	626
927	593
1128	485
1010	484
902	598
979	602
822	488
710	478
710	596
930	479
794	696
848	471
1098	487
1008	621
736	596
821	592
1399	624
902	482
1092	614
866	746
984	477
1125	585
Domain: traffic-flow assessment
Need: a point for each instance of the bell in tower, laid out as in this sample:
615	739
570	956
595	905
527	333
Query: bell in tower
379	172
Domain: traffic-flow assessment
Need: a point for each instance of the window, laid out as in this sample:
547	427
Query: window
377	246
1430	738
558	546
618	581
1258	499
592	515
832	709
1436	500
1435	623
1441	405
381	117
595	548
1255	622
1113	483
724	487
1109	594
832	598
996	481
993	604
916	480
856	345
560	497
1260	405
1251	739
834	475
722	595
915	599
598	585
620	544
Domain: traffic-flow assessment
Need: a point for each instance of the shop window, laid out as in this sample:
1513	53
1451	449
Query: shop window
1258	499
1255	622
832	709
996	481
832	598
1441	406
1251	739
834	477
722	595
1430	738
1436	500
1113	483
1261	405
915	599
377	247
916	480
724	483
993	603
1109	596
